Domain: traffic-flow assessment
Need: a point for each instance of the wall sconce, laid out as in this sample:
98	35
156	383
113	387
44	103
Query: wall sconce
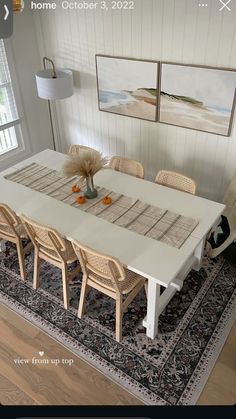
54	84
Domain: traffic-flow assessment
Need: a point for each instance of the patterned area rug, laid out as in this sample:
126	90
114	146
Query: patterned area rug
170	370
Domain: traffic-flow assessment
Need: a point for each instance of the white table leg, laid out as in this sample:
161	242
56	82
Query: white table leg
199	254
153	301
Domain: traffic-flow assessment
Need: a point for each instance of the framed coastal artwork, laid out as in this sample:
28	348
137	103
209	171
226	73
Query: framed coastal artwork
128	86
196	97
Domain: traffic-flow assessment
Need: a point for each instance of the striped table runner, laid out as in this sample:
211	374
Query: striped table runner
139	217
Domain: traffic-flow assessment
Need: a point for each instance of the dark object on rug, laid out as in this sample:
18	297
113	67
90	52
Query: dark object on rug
220	234
230	254
225	233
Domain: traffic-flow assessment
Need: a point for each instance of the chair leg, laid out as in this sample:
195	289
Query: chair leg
119	315
21	259
66	290
83	293
37	262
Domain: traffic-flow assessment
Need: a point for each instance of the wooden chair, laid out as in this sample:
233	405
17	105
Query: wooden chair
107	275
50	246
176	181
11	229
76	148
128	166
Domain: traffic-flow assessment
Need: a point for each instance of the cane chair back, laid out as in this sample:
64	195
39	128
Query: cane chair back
46	240
176	181
8	222
50	246
128	166
11	229
75	149
106	271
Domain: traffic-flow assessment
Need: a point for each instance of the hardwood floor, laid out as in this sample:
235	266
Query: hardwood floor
81	384
48	384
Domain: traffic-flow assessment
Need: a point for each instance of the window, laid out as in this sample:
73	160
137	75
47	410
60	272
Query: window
10	130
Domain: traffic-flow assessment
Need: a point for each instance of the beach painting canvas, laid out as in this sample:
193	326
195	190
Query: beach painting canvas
127	86
200	98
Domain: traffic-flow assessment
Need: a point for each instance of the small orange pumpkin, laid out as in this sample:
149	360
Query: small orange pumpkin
80	199
107	200
75	189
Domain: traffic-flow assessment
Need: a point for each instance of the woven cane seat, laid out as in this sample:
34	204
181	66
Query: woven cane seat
130	281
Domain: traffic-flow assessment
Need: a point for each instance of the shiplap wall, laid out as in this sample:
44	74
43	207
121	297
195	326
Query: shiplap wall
167	30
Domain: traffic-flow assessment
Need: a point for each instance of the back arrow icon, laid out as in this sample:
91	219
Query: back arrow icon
7	12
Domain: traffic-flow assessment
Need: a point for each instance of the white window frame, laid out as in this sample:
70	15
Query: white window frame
23	149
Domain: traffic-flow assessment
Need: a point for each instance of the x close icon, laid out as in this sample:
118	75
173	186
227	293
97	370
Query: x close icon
6	18
225	5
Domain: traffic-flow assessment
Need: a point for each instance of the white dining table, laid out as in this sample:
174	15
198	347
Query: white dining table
162	264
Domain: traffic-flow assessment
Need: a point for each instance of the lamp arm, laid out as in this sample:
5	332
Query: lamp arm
54	74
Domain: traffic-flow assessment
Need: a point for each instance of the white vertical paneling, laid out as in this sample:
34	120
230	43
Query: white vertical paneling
76	119
65	59
213	41
132	127
226	40
162	30
146	29
156	28
190	31
178	30
116	20
167	29
84	78
204	24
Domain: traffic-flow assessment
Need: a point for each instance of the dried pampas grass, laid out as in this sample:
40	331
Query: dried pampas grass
86	163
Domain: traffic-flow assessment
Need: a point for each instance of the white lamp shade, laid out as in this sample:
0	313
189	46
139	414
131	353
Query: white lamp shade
51	88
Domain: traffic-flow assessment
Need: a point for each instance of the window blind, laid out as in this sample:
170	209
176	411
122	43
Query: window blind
8	110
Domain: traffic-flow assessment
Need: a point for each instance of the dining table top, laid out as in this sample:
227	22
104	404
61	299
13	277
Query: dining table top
151	258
